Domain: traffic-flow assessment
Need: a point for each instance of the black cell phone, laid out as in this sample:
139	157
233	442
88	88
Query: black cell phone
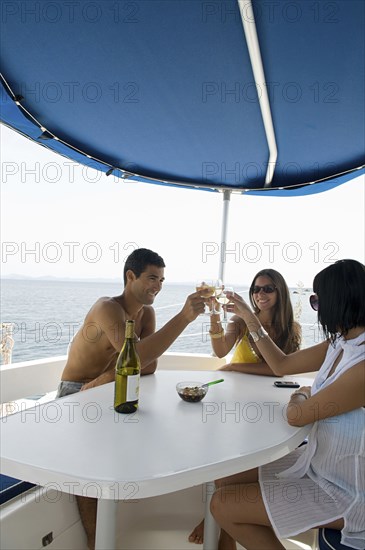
286	384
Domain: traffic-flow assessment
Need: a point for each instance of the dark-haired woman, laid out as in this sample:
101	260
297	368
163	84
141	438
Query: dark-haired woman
270	299
327	474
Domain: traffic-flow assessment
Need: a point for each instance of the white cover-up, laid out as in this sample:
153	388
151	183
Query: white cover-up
325	479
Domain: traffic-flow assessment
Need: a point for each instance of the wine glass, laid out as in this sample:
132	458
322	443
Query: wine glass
206	288
224	300
219	286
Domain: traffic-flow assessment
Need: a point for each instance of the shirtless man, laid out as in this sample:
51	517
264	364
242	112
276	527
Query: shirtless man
95	347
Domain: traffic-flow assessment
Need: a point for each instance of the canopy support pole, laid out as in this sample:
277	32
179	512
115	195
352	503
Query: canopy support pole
249	27
226	201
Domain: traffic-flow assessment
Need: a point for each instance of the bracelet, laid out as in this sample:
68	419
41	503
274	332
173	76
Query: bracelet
300	393
214	335
257	335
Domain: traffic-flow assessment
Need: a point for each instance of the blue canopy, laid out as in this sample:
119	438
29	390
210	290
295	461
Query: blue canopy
166	91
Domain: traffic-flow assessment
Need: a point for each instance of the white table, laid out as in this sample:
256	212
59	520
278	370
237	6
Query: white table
79	445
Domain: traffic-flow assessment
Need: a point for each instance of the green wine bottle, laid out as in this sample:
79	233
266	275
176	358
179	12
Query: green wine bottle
127	373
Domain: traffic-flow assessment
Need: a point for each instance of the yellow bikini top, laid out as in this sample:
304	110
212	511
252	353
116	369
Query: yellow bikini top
244	353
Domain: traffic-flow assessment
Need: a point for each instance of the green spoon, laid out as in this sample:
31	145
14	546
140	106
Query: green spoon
211	383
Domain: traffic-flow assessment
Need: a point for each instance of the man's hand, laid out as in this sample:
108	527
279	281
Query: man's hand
105	378
92	384
193	306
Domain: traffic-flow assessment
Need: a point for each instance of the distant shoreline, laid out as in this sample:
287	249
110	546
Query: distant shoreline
50	279
47	278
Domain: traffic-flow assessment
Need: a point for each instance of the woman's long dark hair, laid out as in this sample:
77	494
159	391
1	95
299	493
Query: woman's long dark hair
340	288
288	334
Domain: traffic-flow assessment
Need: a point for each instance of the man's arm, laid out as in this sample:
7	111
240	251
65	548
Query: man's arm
148	328
150	368
150	347
105	378
153	346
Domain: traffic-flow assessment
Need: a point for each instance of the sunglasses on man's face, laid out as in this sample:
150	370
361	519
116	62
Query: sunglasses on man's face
313	300
268	289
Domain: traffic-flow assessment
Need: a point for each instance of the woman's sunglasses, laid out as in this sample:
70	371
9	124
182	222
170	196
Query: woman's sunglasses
313	300
268	289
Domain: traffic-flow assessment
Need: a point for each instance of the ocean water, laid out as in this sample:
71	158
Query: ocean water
46	314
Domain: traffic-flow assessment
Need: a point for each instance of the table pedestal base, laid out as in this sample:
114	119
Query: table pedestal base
106	524
211	529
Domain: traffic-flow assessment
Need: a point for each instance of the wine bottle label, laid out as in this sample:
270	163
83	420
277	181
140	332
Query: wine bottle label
132	387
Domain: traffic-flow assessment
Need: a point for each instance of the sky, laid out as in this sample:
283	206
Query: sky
60	219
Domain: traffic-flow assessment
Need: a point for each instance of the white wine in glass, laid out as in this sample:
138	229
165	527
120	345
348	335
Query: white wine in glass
206	288
224	300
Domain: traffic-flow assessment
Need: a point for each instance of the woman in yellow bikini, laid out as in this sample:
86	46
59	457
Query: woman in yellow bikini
270	300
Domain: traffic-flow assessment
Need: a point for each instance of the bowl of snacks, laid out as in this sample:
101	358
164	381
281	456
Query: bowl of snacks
192	392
